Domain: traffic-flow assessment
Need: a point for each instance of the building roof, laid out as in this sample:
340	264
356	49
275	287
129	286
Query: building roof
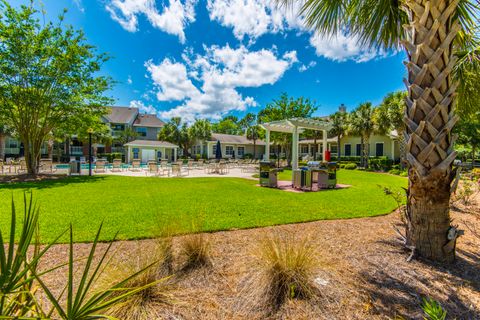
148	120
234	139
121	114
150	143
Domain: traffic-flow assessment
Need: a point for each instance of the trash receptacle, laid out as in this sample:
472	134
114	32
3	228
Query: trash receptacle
75	167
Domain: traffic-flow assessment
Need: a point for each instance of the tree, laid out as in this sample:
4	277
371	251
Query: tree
253	131
174	131
124	136
3	137
286	108
361	123
201	130
389	116
468	130
433	33
48	76
339	128
228	125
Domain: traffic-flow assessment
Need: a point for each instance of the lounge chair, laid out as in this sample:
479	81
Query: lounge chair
22	166
100	166
117	165
163	169
136	165
177	169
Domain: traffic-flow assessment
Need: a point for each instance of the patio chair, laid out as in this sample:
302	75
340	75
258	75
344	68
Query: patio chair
177	169
164	169
22	166
117	165
100	166
46	165
200	163
83	160
136	165
190	164
152	167
223	168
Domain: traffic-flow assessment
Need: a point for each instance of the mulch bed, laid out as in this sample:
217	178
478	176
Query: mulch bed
30	178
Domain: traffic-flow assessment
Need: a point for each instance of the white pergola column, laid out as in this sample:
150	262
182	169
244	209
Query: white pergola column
295	148
324	143
393	149
128	155
266	157
174	154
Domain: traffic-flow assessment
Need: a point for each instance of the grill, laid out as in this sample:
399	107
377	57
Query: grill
321	174
268	174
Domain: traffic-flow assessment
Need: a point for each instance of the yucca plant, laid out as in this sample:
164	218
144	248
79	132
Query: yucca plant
83	302
17	269
433	310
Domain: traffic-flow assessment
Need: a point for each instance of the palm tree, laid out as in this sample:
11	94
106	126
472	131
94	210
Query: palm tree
361	123
432	32
339	124
201	130
174	131
253	131
389	116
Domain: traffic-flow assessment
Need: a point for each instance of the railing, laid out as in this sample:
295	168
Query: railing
75	150
12	150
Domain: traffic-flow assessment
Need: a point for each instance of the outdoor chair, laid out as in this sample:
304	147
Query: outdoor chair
152	167
100	166
200	163
163	169
22	166
190	165
117	165
223	168
135	165
46	165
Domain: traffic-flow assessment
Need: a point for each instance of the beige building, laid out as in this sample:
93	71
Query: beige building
233	146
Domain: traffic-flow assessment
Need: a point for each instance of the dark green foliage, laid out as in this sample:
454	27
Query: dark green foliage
433	310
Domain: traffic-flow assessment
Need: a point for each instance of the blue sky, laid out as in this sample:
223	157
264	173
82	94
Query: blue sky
208	58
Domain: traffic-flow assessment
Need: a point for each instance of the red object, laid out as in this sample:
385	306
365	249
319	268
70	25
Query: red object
327	155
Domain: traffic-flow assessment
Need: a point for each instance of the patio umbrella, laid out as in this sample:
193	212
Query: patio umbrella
218	151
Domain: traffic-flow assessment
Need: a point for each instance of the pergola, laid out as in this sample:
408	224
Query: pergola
295	126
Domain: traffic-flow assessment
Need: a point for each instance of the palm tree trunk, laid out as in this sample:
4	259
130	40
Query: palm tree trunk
429	120
362	153
366	153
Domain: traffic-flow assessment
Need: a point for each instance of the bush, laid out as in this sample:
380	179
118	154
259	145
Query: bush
433	310
380	163
476	173
248	156
350	166
287	269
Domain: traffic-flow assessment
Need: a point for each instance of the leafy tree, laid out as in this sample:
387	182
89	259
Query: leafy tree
468	130
434	34
228	125
48	76
3	138
286	108
389	116
339	128
124	136
252	129
361	123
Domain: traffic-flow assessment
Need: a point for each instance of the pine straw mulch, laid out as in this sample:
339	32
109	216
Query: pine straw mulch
362	274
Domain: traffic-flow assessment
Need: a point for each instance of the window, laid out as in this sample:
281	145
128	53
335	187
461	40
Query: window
333	149
379	149
214	150
359	150
241	151
142	132
229	150
304	148
13	144
135	153
348	150
118	127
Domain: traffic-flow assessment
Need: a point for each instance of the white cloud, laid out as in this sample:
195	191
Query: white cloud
142	107
219	72
175	16
129	80
253	18
343	47
304	67
79	5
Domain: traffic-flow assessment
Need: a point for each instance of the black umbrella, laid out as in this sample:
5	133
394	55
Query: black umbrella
218	151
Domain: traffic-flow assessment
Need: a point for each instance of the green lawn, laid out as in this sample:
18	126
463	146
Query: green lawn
136	207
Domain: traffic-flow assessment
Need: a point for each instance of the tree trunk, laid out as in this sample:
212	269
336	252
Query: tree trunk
32	157
402	147
3	137
429	119
366	151
50	148
314	147
473	155
362	153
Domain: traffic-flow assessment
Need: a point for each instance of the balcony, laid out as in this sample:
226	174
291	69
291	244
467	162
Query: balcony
76	150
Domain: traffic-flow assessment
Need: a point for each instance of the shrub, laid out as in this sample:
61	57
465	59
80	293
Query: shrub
395	172
433	310
465	192
476	173
287	268
195	250
350	166
146	304
404	174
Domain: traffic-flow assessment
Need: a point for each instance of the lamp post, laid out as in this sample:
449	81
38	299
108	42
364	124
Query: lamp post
90	131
